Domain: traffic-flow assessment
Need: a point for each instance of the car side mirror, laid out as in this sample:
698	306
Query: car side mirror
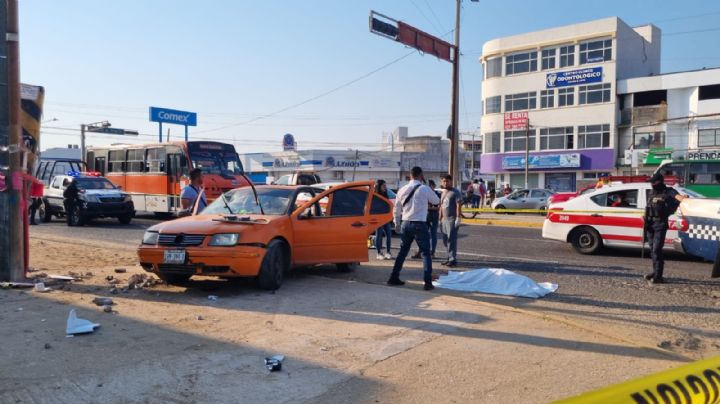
119	187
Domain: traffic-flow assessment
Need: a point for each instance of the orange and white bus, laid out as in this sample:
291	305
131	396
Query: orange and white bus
154	174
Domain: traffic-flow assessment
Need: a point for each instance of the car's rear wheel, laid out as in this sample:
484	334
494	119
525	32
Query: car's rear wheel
586	240
44	212
125	219
174	279
346	267
500	207
464	211
274	265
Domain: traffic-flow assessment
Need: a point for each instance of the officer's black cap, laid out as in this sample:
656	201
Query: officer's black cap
657	178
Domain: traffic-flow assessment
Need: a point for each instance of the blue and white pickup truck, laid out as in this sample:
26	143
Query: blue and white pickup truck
698	223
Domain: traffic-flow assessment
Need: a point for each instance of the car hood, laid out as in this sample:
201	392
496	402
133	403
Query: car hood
212	224
104	192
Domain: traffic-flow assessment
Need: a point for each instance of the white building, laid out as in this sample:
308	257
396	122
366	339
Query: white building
565	79
669	115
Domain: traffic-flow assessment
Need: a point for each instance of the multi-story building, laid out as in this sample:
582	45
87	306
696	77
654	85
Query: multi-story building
556	89
674	115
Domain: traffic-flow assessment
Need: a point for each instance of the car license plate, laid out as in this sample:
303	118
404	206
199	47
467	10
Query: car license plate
174	257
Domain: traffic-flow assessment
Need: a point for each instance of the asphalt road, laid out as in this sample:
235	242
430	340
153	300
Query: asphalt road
605	290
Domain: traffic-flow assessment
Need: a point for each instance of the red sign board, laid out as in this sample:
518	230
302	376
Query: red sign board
424	42
516	120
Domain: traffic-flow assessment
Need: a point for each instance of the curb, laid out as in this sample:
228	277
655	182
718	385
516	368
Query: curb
502	223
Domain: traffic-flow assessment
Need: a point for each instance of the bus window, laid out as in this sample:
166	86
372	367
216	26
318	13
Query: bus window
704	174
675	170
136	161
156	160
116	161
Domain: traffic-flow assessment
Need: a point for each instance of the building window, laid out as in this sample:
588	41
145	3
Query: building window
594	94
515	140
492	142
708	137
566	96
493	67
648	140
492	105
520	101
711	92
592	176
595	51
593	136
521	63
547	99
556	138
567	55
548	58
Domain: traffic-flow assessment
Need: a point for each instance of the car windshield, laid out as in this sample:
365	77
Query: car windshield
242	201
94	183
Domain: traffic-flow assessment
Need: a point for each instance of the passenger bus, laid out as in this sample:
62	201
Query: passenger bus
154	174
701	176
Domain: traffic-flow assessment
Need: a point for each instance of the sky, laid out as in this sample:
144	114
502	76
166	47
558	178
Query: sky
256	70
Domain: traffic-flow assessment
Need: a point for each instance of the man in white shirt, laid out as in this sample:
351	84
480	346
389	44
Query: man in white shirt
411	209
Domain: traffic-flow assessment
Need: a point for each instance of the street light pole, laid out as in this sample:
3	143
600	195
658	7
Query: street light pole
82	141
527	151
453	169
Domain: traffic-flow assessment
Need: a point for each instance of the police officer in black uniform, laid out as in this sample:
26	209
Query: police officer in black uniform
70	196
662	202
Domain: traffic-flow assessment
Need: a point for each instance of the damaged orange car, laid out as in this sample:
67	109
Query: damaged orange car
265	231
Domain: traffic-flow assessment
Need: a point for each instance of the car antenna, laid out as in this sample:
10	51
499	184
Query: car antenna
257	200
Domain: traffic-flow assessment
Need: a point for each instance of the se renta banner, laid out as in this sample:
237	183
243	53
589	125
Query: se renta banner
571	160
174	116
573	77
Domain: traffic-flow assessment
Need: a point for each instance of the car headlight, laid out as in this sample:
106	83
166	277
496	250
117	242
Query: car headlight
225	239
150	237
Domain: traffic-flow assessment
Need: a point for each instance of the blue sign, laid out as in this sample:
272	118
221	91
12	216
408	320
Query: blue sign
573	77
173	116
289	142
543	161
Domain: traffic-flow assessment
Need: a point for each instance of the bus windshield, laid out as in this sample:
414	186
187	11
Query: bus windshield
215	158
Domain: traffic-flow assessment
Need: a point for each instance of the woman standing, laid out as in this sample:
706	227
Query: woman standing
386	229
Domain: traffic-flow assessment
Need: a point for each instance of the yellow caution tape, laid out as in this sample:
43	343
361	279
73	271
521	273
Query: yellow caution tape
697	382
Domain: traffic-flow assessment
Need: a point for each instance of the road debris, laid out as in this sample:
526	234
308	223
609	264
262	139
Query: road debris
200	318
120	270
274	363
61	277
48	346
16	285
103	301
77	325
107	308
213	298
40	287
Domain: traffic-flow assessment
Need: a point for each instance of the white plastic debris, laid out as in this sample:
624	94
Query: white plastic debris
213	298
274	363
77	325
61	277
495	280
40	287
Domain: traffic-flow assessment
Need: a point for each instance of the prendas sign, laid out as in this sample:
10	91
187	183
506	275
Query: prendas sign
573	77
173	116
516	120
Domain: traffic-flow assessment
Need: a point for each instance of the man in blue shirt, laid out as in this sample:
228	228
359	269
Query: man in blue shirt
411	209
194	193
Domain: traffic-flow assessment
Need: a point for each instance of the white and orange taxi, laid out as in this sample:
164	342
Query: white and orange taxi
611	216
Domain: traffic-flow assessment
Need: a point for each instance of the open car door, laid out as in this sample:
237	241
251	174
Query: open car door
333	226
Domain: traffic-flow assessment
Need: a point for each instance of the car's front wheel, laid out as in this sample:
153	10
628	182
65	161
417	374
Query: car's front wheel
586	240
44	212
125	219
346	267
274	265
75	217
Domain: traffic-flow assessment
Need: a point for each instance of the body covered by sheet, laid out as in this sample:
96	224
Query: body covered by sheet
495	280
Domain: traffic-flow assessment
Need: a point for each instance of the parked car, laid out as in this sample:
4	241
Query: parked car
611	216
534	198
698	224
298	179
98	198
265	231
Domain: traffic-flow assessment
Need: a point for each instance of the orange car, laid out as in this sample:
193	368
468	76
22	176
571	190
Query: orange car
264	231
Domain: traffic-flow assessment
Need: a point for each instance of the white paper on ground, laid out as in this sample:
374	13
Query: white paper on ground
494	280
77	325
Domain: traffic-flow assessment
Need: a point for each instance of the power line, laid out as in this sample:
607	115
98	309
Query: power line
688	17
424	16
435	15
691	31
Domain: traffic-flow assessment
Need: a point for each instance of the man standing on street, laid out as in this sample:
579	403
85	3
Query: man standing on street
411	209
193	194
662	203
432	222
450	205
70	198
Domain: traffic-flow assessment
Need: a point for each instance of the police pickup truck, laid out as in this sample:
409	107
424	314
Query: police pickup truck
97	197
698	224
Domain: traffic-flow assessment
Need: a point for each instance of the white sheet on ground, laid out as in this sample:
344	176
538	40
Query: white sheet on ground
494	280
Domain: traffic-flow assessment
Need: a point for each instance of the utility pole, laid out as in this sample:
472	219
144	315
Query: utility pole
355	164
12	266
453	169
83	128
527	151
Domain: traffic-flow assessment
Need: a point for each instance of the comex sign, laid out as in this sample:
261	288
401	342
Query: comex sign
573	77
173	116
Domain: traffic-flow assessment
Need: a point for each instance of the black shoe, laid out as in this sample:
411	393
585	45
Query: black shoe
33	223
395	282
451	264
649	276
428	286
655	281
417	255
445	263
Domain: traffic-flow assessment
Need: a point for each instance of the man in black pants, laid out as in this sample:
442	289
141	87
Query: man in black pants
662	203
70	196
